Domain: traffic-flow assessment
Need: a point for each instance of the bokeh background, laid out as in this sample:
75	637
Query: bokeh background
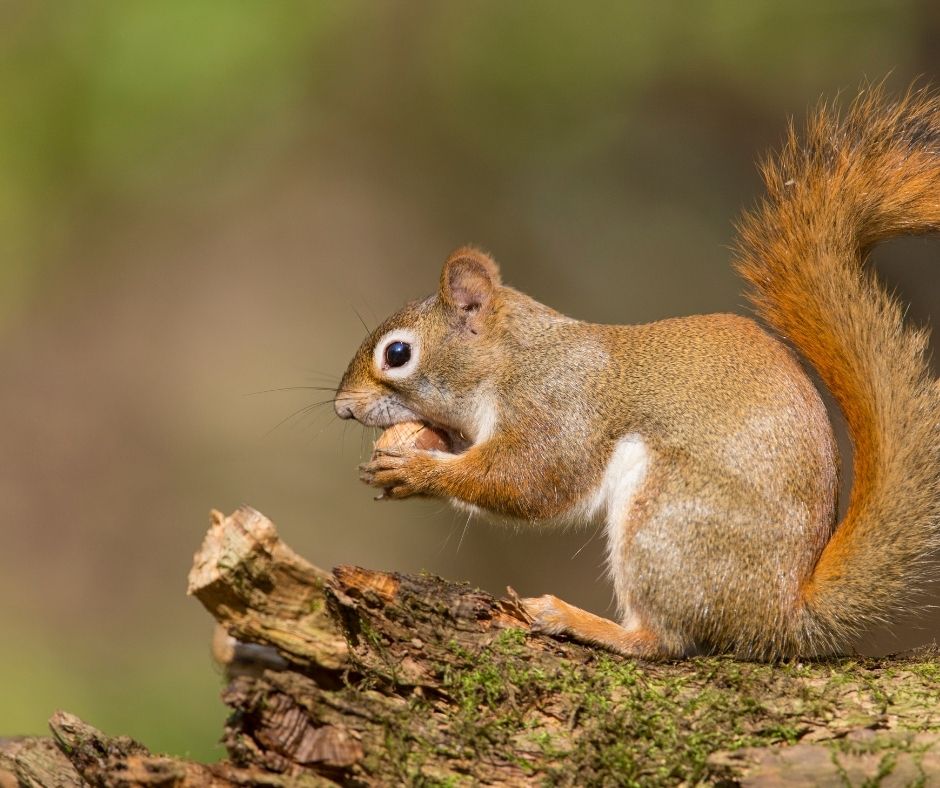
196	200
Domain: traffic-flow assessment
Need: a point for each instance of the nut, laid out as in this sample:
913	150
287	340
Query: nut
413	434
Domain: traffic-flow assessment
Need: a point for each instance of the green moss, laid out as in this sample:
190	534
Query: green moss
613	721
890	745
928	671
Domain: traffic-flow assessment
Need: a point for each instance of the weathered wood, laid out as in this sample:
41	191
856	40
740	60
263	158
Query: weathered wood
263	592
79	755
359	677
35	761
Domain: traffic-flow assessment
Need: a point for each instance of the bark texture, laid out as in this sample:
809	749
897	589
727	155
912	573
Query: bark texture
359	677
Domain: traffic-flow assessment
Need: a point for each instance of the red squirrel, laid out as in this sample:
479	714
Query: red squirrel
700	442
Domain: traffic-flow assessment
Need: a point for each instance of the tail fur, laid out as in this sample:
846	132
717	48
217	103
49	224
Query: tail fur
854	179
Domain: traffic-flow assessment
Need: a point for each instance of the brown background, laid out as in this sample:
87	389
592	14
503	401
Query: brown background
196	200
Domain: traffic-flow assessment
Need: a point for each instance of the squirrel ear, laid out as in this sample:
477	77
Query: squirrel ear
468	279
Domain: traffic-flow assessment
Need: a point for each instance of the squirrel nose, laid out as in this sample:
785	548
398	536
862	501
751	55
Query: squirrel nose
343	409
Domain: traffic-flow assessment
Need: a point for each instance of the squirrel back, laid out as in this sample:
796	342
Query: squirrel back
853	180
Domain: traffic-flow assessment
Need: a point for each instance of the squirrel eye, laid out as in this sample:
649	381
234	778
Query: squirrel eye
397	354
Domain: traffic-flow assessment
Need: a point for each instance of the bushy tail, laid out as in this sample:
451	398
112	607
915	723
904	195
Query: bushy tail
851	180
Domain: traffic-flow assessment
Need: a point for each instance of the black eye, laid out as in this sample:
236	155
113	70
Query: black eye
397	354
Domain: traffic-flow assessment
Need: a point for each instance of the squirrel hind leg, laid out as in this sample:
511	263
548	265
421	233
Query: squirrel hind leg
554	616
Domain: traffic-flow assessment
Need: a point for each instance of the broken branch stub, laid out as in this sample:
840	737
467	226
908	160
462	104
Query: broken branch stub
261	591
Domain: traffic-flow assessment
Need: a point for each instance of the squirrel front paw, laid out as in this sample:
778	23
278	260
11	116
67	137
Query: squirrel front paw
399	474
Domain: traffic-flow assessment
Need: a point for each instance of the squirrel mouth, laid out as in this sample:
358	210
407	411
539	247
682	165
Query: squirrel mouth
424	436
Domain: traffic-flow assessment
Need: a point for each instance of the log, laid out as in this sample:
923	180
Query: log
363	677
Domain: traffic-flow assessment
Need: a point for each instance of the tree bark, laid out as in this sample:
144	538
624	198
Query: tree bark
360	677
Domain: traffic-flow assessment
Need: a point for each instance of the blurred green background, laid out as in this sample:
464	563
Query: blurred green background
197	197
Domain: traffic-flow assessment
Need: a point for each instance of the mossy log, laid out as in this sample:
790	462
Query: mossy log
359	677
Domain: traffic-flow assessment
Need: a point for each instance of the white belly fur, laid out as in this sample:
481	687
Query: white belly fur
625	473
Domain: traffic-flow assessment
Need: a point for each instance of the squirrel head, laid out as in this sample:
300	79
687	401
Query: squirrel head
433	360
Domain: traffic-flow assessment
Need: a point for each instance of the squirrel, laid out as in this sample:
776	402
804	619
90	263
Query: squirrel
700	442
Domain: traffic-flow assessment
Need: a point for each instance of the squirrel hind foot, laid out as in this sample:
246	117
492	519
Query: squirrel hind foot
554	616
